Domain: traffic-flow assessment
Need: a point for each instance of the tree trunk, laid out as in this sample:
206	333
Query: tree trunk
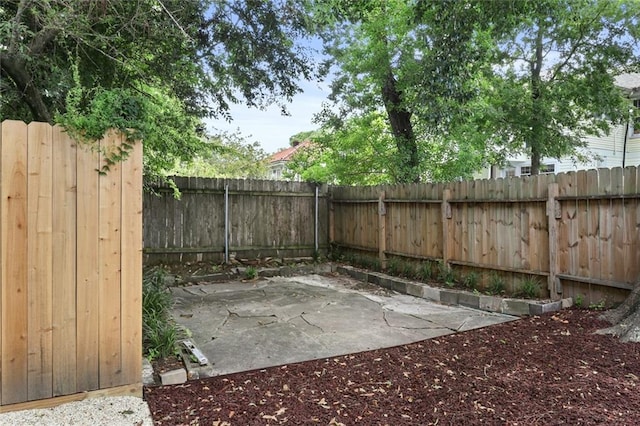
16	70
402	129
536	138
625	319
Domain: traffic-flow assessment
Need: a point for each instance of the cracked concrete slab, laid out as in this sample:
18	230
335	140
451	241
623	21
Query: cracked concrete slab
243	326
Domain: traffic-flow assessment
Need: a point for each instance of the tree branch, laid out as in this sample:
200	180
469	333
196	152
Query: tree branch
16	69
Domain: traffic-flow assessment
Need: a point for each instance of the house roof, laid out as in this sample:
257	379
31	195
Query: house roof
630	83
287	153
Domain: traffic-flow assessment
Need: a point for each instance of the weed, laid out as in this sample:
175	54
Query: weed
579	301
425	272
251	273
408	270
316	256
159	332
529	288
445	274
598	306
471	280
496	285
394	266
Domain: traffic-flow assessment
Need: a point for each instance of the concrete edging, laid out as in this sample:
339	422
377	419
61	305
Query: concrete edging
509	306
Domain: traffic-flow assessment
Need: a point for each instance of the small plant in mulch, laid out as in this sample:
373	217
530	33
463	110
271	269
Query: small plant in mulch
471	281
496	285
394	266
579	300
446	274
600	306
425	272
251	273
159	333
529	289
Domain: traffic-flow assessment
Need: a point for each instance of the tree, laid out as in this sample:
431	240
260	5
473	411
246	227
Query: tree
229	156
359	153
554	78
417	62
140	57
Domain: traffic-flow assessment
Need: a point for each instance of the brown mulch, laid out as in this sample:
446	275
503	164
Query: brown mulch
535	371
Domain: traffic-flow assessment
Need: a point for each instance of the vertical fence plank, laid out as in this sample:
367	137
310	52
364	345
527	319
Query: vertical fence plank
131	253
40	260
64	264
13	229
87	269
109	270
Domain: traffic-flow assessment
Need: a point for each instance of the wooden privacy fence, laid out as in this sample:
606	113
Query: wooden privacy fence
70	268
579	232
217	218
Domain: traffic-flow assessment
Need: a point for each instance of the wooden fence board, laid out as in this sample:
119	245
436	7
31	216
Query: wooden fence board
110	208
13	229
131	276
64	267
40	261
88	307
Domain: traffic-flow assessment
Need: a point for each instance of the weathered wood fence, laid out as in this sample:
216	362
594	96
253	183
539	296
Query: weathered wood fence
70	269
217	218
577	232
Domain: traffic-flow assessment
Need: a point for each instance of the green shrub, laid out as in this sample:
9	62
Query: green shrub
159	332
529	288
408	270
496	285
425	272
394	266
445	274
579	300
471	280
251	273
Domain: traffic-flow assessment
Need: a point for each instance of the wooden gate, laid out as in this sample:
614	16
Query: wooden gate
70	268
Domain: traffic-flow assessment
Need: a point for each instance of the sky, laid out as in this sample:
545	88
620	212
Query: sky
270	128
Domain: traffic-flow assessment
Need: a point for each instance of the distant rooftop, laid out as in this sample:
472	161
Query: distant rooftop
287	153
629	82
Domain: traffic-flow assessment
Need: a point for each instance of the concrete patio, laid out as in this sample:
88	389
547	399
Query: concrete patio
242	326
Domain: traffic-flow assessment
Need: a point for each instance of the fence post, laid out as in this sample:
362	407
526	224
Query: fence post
446	216
226	223
382	231
553	214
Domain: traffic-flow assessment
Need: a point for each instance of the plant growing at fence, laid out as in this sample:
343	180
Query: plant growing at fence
425	272
408	270
394	266
471	280
529	288
496	285
159	333
446	274
579	300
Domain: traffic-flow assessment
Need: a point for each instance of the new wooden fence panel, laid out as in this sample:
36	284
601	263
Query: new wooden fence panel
88	270
40	261
64	266
70	267
14	234
110	320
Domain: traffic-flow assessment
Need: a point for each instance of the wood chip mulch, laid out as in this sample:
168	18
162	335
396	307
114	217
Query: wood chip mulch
547	370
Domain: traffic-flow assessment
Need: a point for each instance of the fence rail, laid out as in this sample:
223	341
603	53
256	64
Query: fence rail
70	267
579	231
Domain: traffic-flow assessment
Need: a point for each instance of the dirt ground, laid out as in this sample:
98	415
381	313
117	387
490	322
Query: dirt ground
548	370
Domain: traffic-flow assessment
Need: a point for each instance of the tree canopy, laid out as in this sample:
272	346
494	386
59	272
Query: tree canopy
465	84
154	66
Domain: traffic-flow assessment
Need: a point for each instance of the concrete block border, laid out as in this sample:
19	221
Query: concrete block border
509	306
